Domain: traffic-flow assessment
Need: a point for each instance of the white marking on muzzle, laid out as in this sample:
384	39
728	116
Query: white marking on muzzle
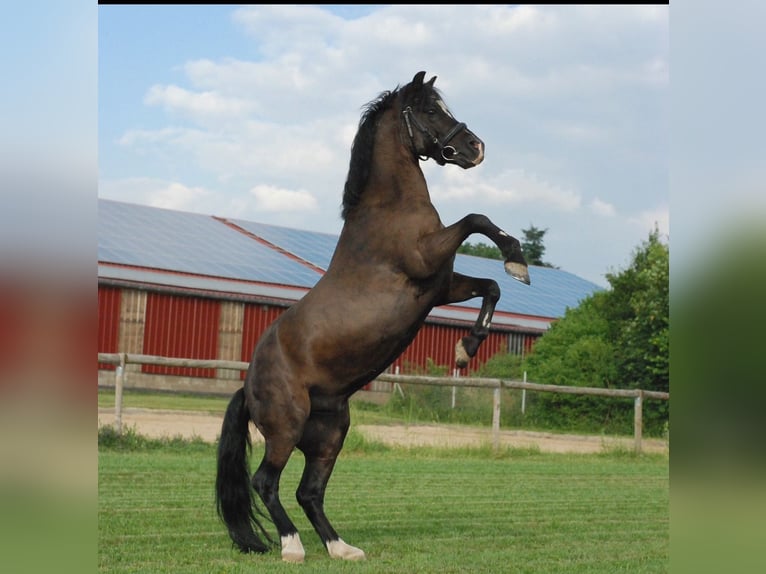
480	157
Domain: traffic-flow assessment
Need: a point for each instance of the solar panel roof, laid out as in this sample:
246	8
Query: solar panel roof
312	246
192	243
549	294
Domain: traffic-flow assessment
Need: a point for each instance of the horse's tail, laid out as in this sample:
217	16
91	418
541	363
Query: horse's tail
233	491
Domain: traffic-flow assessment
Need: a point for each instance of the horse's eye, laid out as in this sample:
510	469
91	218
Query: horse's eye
431	111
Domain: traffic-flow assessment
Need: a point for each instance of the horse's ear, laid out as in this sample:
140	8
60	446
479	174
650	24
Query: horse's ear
417	81
431	82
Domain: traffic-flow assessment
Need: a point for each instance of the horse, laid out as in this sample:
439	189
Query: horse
392	265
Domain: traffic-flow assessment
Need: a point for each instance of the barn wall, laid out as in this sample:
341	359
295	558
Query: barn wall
256	318
437	344
132	319
181	326
172	325
230	336
109	300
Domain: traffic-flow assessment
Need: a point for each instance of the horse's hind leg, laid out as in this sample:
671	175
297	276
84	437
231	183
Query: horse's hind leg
281	431
266	484
322	441
461	289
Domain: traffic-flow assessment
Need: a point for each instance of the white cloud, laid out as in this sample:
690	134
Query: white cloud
155	192
310	27
198	104
509	187
602	208
139	137
523	18
177	196
272	198
263	86
253	152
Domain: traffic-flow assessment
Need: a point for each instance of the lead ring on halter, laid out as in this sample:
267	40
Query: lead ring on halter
444	149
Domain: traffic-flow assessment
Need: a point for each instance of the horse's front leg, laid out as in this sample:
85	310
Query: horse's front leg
435	248
463	288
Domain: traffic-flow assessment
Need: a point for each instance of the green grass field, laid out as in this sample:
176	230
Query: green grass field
415	510
164	400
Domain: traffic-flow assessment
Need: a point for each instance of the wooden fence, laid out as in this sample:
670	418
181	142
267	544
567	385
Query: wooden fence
638	395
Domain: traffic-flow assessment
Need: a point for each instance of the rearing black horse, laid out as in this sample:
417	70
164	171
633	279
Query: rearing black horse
392	265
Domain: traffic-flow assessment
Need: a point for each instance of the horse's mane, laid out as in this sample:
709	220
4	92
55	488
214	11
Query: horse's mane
362	149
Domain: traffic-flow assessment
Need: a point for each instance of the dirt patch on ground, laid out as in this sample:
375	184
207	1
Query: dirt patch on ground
163	423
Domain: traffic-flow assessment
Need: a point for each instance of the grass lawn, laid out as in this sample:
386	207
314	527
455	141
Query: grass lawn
416	510
132	398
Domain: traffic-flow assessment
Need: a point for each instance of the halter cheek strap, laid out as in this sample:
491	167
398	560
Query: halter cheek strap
447	152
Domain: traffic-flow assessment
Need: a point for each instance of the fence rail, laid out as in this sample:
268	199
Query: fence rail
638	395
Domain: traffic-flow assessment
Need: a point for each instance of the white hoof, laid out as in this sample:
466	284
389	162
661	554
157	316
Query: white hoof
461	356
517	271
339	549
292	549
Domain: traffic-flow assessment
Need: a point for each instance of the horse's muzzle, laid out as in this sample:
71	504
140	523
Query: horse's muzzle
474	153
480	149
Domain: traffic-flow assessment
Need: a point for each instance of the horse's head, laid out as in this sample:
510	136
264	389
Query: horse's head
433	130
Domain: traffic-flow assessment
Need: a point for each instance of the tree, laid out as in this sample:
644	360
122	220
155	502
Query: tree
532	246
576	352
481	250
615	338
640	317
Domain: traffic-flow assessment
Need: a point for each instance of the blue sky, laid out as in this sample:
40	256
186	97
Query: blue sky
250	112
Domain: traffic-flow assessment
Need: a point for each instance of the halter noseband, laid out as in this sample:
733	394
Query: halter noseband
447	152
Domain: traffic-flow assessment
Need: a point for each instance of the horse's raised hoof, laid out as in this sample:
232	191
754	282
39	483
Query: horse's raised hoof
461	355
339	549
518	271
292	549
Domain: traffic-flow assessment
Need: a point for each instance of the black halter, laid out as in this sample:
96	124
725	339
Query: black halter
447	151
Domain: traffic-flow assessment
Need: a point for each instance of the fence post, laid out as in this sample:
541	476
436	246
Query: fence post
119	379
496	418
638	420
397	386
455	375
524	396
